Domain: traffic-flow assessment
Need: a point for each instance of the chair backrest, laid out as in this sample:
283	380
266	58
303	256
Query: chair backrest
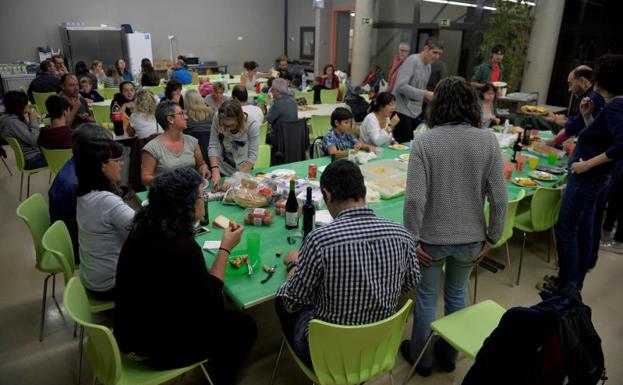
544	208
40	98
263	132
101	344
101	113
263	156
354	354
157	90
217	76
290	140
35	213
108	92
56	159
328	96
511	210
19	155
308	95
57	241
320	125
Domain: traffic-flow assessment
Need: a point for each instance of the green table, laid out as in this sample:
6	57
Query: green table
247	291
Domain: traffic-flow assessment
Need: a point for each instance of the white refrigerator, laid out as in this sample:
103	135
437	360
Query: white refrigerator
138	45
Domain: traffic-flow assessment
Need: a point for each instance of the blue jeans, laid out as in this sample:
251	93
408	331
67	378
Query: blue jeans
459	262
576	227
295	328
37	161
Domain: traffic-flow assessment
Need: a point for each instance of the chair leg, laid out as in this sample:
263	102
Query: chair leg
391	378
554	245
28	187
54	295
419	357
272	377
7	166
508	260
80	352
21	186
75	329
549	246
43	300
205	373
475	283
523	246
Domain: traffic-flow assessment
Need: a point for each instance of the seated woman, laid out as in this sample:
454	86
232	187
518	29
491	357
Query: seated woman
113	79
376	128
199	120
97	69
328	81
216	97
487	102
88	92
103	217
149	77
169	308
233	141
340	139
249	77
173	149
142	123
122	70
173	92
125	98
22	123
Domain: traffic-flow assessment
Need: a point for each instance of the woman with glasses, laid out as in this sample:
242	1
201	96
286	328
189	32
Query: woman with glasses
103	217
233	141
173	149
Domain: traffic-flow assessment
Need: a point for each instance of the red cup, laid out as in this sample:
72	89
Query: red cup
508	171
521	160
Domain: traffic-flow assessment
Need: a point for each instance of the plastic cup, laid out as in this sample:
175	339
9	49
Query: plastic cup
508	171
533	162
521	160
253	246
379	152
552	159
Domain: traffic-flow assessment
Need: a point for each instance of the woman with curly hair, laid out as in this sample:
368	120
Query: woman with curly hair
169	307
142	122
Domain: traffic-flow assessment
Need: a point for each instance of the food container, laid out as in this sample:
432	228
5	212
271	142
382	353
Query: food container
258	217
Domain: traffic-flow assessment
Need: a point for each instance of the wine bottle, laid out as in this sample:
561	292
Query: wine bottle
309	214
292	209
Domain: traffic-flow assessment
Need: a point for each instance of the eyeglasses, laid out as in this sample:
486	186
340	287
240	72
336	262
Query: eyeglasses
181	113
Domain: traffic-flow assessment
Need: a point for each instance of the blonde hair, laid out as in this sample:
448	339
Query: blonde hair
145	102
231	109
195	107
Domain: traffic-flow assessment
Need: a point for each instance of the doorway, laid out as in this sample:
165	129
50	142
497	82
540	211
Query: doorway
342	39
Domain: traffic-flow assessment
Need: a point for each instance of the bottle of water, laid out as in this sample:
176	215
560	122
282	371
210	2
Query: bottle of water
304	82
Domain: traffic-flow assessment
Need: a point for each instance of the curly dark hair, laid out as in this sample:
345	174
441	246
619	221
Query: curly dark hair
343	179
171	208
607	75
454	101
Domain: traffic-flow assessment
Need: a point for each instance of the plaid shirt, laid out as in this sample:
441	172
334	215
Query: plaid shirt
353	270
341	142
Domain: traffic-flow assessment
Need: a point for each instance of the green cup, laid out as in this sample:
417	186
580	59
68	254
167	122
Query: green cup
552	159
253	246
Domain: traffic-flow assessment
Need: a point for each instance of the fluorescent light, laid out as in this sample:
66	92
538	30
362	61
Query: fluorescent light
352	14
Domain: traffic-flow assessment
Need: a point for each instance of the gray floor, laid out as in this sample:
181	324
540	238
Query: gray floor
25	360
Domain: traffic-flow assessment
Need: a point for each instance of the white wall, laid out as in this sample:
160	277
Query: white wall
207	28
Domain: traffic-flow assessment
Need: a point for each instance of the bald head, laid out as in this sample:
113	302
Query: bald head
579	80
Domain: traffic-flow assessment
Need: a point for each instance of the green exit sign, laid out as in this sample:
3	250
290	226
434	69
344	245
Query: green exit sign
366	20
444	22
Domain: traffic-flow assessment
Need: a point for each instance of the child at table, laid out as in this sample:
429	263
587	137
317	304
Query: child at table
87	91
340	139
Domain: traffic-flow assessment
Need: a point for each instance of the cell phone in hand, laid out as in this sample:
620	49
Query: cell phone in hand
201	230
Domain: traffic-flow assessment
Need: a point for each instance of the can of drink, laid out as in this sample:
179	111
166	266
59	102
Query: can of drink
312	171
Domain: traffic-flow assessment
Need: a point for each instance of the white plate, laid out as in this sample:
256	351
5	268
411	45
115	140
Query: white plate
281	173
404	157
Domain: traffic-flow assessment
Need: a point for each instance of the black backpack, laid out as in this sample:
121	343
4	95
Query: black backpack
358	106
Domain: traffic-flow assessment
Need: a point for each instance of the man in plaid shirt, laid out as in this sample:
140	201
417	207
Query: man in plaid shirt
350	272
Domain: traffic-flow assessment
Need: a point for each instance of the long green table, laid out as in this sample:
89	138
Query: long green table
247	291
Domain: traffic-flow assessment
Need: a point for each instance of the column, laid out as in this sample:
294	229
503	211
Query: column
362	40
542	47
317	65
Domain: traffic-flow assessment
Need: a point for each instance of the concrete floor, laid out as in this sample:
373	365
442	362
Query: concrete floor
25	360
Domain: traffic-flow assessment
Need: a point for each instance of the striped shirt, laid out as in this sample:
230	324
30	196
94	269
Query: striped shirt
353	270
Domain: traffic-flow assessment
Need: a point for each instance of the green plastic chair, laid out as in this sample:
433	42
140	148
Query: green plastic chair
20	163
351	354
40	98
263	132
157	90
109	365
536	215
466	329
190	86
101	113
320	125
108	93
309	96
217	77
34	212
56	158
263	156
328	96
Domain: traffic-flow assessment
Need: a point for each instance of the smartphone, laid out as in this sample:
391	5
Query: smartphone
201	230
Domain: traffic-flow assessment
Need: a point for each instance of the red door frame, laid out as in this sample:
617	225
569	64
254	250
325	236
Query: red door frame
334	27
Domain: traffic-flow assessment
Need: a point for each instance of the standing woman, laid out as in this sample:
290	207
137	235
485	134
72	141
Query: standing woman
103	217
122	70
199	120
251	74
233	141
452	168
376	129
599	145
173	149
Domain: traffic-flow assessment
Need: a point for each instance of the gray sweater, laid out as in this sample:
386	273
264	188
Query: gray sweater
411	85
452	169
12	127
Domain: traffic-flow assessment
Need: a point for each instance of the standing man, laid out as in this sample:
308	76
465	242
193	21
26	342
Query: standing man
80	112
404	49
492	71
410	89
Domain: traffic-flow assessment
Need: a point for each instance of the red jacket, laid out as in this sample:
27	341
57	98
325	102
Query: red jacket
335	83
393	73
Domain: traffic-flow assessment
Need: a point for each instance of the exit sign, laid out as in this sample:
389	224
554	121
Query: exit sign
444	22
366	20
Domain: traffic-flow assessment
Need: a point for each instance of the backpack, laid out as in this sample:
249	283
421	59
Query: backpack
358	106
